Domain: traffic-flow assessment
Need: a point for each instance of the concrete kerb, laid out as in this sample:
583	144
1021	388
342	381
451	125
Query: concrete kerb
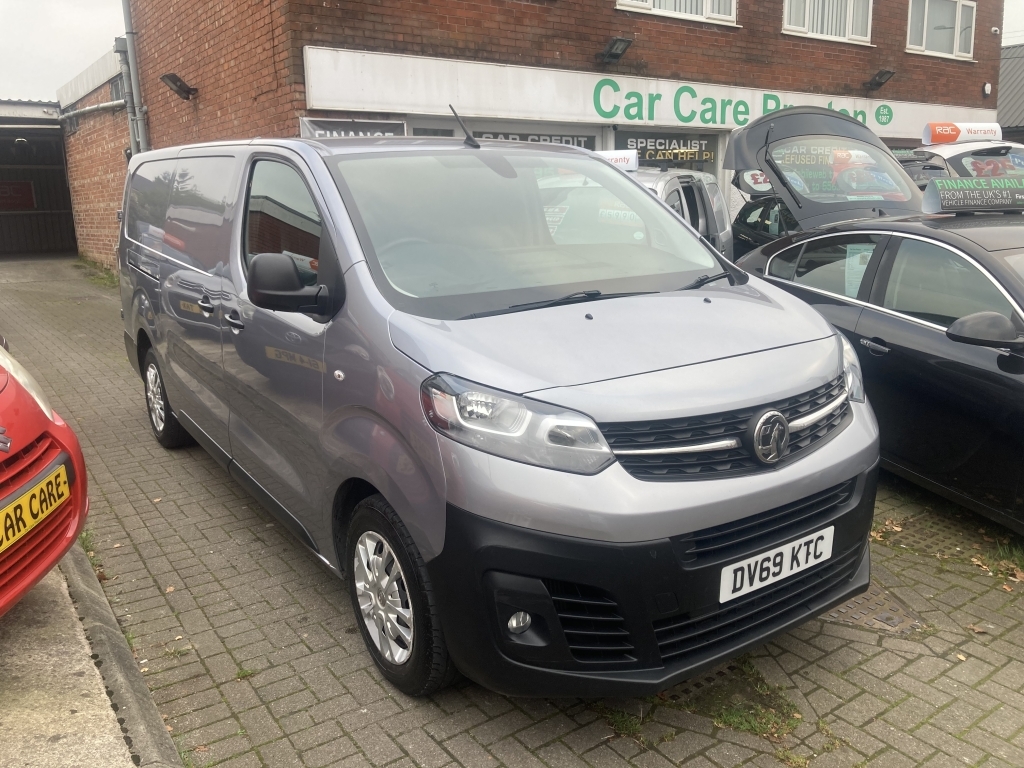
144	730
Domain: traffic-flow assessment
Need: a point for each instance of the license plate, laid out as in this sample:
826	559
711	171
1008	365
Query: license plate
33	506
780	563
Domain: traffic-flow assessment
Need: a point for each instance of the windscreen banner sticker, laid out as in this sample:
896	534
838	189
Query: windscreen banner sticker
953	133
820	170
755	181
981	194
555	215
1010	164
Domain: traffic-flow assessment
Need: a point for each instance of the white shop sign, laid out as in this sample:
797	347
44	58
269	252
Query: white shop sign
338	79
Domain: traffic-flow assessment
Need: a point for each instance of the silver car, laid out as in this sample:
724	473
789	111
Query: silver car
549	436
696	197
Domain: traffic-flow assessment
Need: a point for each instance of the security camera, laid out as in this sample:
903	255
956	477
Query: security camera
995	30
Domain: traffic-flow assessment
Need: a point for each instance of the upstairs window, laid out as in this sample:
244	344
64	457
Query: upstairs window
844	20
715	11
942	28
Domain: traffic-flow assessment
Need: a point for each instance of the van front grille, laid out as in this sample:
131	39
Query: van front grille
650	450
736	538
590	620
727	624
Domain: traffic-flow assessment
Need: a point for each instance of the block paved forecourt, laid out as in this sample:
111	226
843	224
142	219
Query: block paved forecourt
253	657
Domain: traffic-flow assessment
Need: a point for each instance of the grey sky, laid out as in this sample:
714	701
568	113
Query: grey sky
45	43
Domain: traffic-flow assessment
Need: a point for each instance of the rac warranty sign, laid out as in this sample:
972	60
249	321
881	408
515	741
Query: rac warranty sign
339	79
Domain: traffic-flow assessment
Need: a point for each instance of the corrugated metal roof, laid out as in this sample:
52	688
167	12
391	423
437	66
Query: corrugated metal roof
88	80
40	110
1011	87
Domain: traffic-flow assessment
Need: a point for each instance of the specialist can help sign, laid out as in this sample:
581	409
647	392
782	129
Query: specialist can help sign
955	133
970	195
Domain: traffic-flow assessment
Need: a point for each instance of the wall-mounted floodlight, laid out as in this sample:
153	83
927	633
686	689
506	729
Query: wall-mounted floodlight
880	78
179	86
615	50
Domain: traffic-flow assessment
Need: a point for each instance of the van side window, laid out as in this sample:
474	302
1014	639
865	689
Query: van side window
719	206
205	189
675	202
148	196
281	217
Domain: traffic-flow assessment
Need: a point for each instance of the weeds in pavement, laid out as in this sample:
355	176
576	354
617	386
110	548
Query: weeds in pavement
244	673
744	701
130	638
98	274
832	741
86	540
792	759
623	723
176	653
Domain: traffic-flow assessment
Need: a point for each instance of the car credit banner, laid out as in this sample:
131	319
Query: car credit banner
340	79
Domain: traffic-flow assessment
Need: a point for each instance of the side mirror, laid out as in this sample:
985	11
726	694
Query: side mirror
986	329
275	283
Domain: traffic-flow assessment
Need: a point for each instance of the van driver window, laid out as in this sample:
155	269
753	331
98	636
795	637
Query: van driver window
281	217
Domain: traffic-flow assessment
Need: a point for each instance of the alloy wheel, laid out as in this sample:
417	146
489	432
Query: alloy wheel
383	597
155	397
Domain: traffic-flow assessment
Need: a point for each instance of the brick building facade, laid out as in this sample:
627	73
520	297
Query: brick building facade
694	70
95	147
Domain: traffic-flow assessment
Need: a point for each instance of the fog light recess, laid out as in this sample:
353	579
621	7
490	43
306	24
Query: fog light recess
519	623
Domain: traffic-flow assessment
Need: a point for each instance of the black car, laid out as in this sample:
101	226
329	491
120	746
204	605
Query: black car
950	414
946	383
759	222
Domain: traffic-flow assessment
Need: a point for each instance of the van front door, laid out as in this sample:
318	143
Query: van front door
274	361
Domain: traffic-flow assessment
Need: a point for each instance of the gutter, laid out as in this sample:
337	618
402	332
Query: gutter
108	106
133	65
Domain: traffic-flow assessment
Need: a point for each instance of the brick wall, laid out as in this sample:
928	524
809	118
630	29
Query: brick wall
96	174
245	57
233	51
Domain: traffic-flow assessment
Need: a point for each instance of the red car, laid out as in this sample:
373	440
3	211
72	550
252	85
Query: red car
43	499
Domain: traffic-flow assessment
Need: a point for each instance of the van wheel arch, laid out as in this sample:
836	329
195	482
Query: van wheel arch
348	495
142	345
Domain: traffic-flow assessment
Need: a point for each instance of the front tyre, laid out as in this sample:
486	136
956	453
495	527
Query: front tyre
166	428
393	601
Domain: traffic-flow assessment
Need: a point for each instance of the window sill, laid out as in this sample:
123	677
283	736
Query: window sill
946	56
827	39
679	16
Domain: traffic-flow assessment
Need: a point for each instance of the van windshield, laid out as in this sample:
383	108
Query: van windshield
836	169
450	233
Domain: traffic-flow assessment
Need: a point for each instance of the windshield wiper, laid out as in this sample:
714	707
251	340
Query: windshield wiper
570	298
705	279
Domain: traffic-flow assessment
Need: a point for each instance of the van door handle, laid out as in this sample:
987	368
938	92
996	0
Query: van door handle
234	321
205	304
876	349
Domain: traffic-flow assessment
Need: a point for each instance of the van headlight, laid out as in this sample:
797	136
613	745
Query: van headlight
851	371
17	372
512	427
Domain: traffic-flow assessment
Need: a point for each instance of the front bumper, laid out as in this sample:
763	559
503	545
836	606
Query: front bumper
633	619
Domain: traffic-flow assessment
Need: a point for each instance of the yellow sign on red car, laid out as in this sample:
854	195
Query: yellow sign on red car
32	507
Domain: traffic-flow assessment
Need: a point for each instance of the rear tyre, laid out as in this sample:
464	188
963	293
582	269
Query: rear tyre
166	428
393	601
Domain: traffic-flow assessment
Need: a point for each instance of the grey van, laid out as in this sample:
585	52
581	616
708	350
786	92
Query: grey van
549	436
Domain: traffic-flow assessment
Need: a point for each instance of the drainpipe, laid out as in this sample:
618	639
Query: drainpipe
121	49
108	106
133	64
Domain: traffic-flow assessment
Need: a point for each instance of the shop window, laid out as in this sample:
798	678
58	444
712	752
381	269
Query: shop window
942	28
844	20
715	11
